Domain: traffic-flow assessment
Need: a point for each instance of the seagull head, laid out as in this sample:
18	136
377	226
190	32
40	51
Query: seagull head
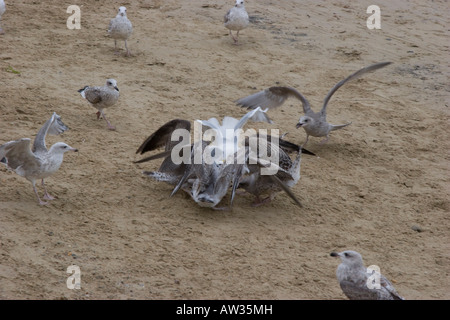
122	12
111	83
304	121
349	258
239	3
61	148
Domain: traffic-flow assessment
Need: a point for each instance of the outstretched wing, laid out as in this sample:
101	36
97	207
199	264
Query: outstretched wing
162	136
18	155
273	97
53	126
353	76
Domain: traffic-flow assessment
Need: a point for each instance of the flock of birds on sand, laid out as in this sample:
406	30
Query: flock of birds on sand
208	183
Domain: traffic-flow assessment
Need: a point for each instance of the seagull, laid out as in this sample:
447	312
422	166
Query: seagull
120	28
203	182
2	11
206	181
102	97
236	19
38	162
287	175
353	278
314	123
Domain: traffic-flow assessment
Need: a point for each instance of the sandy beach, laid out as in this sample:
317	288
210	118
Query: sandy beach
379	186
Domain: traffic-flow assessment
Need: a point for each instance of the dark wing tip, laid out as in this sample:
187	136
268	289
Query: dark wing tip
161	136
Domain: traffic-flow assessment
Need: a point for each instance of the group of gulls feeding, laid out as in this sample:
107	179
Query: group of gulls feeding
208	182
238	160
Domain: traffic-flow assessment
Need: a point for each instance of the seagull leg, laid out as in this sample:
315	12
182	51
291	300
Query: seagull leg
258	202
126	47
110	126
306	141
115	47
325	140
98	115
47	196
37	195
1	31
231	34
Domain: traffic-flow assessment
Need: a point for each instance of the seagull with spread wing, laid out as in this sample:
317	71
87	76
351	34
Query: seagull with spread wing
314	123
37	162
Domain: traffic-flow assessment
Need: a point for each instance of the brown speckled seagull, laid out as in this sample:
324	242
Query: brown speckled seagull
353	278
102	97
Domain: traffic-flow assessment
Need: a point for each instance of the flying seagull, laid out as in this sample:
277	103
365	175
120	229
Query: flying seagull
314	123
102	97
120	28
353	278
236	19
37	162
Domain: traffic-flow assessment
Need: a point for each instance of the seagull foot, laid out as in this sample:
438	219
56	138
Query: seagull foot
258	202
48	197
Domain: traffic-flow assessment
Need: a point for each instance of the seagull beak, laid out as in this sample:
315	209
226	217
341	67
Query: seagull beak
298	125
73	149
334	254
116	88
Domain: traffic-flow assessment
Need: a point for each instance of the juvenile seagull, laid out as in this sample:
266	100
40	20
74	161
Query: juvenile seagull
38	162
102	97
236	19
120	28
288	172
314	123
2	11
353	276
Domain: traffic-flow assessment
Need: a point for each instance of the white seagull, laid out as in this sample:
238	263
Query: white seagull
38	162
236	19
120	28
